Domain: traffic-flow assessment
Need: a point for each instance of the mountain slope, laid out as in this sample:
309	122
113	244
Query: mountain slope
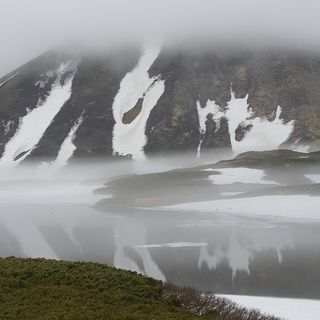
187	100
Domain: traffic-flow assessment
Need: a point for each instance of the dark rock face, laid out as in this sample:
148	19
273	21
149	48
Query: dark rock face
132	114
290	80
211	139
95	84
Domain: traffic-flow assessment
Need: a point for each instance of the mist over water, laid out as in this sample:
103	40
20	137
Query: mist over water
136	216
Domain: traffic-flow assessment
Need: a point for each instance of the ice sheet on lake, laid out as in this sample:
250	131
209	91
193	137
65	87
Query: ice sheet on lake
33	125
291	309
314	177
174	245
130	138
239	175
263	135
282	207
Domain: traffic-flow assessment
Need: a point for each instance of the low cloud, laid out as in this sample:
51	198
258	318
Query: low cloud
34	26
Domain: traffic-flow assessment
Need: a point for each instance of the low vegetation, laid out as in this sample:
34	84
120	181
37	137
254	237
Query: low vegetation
49	289
274	159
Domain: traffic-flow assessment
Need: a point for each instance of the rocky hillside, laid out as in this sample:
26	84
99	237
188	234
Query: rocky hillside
137	102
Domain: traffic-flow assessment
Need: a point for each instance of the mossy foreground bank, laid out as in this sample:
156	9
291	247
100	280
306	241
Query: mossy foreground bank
49	289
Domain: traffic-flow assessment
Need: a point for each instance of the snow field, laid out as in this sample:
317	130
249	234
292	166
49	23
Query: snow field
129	139
33	125
263	135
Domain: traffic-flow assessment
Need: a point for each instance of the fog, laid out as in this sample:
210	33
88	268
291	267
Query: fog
32	27
173	218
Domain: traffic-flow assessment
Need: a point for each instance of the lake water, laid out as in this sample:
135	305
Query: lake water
177	226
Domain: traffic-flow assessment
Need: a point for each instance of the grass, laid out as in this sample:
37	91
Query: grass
50	289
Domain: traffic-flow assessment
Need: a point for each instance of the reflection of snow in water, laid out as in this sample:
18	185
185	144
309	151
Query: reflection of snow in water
130	233
32	242
241	248
237	256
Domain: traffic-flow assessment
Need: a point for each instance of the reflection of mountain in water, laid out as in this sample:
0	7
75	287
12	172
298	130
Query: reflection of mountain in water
246	225
267	261
233	227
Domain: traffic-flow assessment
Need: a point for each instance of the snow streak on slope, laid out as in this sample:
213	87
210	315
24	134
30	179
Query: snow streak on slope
67	148
2	83
33	125
130	138
7	126
263	135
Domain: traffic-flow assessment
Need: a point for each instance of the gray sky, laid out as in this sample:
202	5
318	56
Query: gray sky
30	27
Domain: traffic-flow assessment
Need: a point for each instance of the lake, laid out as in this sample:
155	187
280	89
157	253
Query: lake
192	226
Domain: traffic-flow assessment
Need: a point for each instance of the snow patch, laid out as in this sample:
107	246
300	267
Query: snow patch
300	147
33	125
174	245
264	134
314	177
230	194
42	84
7	126
288	308
239	175
130	138
1	84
